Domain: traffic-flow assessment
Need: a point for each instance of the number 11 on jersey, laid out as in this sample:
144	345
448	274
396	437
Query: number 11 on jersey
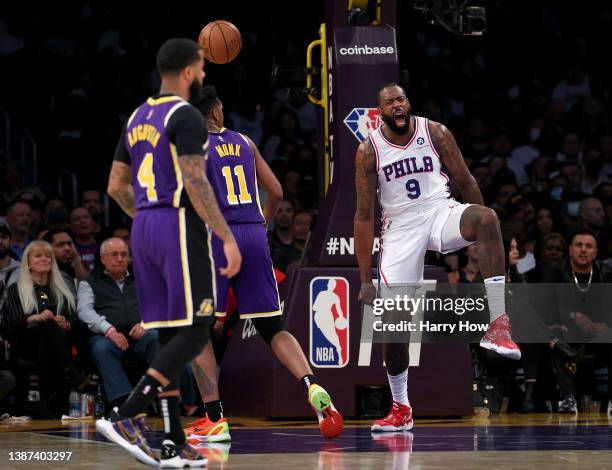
244	197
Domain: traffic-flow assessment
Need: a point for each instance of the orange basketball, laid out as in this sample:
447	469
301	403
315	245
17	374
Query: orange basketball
221	41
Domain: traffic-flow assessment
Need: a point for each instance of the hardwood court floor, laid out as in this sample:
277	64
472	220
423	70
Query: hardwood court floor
501	442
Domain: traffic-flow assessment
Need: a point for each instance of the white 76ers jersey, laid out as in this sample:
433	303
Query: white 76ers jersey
410	177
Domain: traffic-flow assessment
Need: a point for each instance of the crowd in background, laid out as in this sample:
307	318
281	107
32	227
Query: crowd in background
532	116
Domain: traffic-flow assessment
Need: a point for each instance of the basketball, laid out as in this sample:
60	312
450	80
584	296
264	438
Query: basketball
341	323
221	41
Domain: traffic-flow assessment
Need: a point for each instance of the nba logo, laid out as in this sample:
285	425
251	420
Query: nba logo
362	121
329	321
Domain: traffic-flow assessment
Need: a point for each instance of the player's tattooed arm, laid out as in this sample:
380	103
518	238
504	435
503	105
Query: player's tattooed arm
449	152
120	187
365	186
202	196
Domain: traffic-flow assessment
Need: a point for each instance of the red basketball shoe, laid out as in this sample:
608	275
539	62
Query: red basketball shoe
330	420
498	339
398	419
205	430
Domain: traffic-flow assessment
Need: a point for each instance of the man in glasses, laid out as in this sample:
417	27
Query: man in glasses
107	303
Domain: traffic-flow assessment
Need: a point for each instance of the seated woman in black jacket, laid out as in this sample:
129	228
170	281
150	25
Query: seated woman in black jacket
37	316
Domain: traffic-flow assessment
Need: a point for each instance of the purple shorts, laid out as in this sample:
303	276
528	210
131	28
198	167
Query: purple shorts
255	285
173	267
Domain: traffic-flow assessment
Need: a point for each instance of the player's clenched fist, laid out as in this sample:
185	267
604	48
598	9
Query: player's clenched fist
367	294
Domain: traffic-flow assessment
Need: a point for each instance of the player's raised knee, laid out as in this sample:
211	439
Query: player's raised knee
488	216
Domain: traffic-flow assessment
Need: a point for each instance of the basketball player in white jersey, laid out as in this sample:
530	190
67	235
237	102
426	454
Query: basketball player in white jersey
403	159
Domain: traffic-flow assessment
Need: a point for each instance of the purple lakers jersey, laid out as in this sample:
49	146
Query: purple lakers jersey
230	168
157	179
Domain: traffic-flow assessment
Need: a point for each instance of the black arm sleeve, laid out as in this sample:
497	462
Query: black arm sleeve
121	152
187	132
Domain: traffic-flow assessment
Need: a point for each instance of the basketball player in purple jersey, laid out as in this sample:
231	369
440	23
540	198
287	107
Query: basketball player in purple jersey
403	161
158	178
233	168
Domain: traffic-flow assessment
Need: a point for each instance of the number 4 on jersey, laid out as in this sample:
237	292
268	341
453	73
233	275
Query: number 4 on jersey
146	177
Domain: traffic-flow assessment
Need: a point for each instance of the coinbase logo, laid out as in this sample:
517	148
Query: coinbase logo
366	50
329	321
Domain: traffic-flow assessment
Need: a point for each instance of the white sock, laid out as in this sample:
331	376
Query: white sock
496	291
399	387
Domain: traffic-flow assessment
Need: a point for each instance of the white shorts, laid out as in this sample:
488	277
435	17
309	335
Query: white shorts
405	239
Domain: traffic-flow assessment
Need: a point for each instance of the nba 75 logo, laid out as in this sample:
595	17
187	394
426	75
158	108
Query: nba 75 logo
329	321
362	121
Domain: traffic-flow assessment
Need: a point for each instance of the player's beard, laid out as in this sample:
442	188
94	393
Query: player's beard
195	91
390	121
3	252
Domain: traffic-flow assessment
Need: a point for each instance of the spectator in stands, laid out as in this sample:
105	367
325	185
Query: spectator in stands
19	219
37	316
583	316
67	257
550	253
572	172
504	193
546	221
34	197
571	148
56	215
291	185
286	129
519	208
9	267
82	226
470	272
593	218
91	199
574	86
123	233
512	259
300	229
570	211
12	180
477	139
528	350
107	303
525	154
592	177
481	173
497	163
605	144
281	236
501	146
539	174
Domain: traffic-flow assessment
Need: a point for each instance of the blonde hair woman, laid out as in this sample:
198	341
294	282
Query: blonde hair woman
37	317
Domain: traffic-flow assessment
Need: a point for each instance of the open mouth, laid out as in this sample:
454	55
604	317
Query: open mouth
400	118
